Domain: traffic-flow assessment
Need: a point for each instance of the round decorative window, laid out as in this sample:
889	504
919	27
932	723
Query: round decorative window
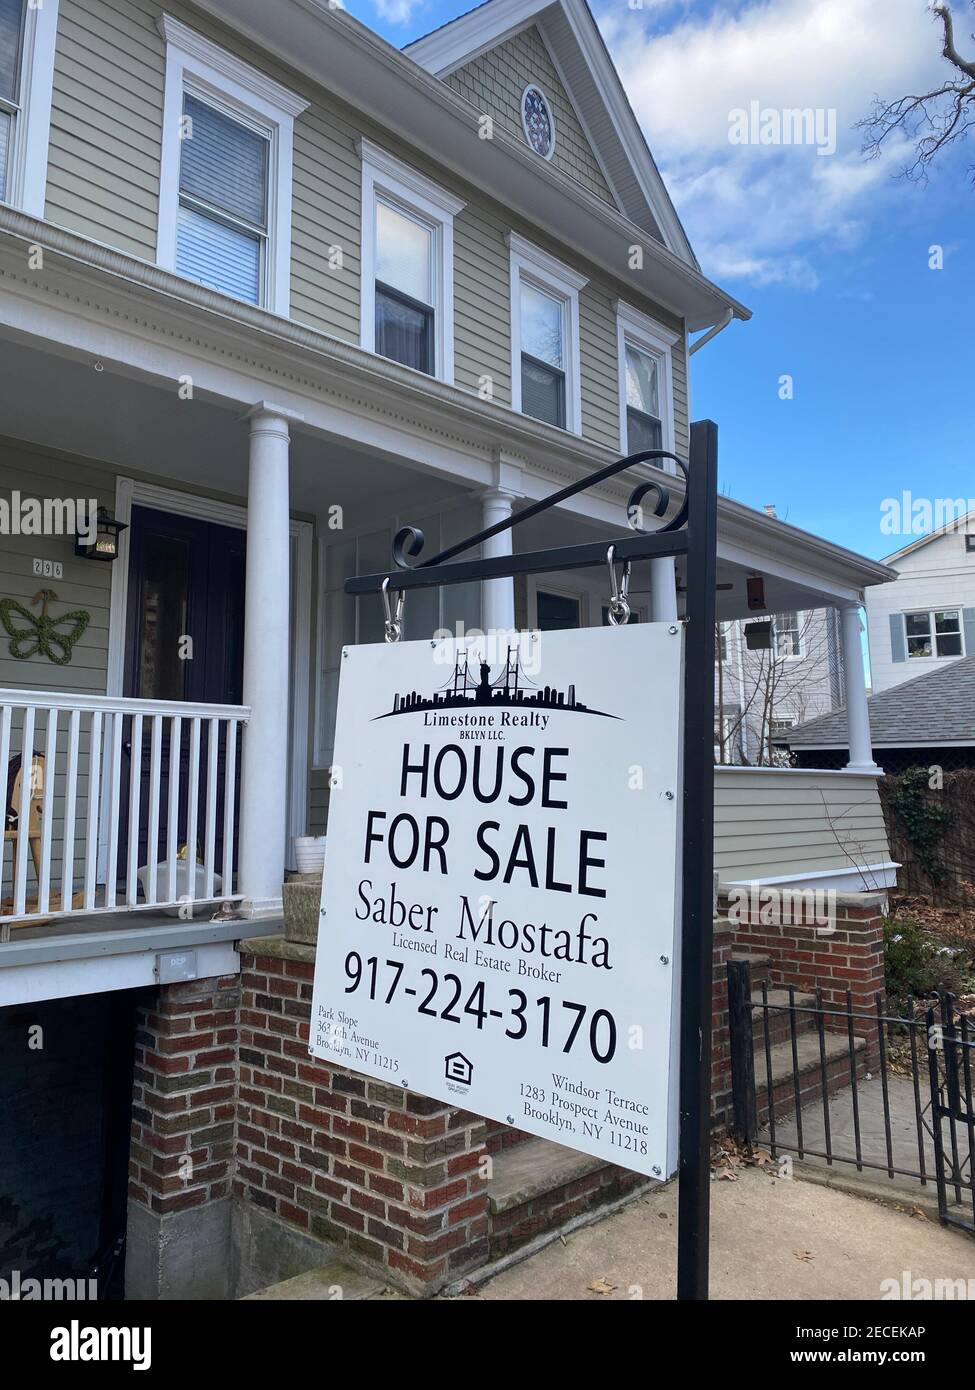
537	119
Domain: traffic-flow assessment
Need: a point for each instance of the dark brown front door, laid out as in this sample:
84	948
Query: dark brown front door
184	641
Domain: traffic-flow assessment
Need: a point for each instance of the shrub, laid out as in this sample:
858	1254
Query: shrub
916	965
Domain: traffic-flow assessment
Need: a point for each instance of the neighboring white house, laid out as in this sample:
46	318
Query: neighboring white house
760	691
926	618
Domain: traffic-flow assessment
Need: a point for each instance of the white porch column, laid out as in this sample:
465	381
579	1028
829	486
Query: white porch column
855	689
497	595
264	772
663	590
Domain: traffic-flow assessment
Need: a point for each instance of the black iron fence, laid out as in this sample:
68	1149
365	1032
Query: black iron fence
835	1083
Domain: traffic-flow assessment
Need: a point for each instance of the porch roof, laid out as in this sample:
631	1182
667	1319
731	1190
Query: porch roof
150	328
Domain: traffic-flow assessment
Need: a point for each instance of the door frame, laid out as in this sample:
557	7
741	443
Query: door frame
131	492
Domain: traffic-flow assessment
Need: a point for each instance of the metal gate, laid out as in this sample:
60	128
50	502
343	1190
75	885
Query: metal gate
950	1042
887	1094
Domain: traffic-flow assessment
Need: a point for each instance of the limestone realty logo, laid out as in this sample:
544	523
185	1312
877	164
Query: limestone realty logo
458	1068
512	689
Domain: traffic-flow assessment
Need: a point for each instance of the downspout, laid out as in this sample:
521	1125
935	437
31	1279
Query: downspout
711	333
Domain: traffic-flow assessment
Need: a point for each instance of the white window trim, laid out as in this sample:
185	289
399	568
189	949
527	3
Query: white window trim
27	168
935	655
386	176
537	267
196	65
640	331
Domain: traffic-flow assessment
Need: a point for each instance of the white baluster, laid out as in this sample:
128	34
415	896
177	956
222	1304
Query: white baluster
47	811
135	803
91	829
172	811
5	720
155	763
70	811
23	812
114	807
229	806
213	745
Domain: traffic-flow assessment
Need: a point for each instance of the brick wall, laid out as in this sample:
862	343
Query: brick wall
184	1096
391	1177
848	958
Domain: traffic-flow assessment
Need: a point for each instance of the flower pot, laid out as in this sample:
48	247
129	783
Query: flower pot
310	853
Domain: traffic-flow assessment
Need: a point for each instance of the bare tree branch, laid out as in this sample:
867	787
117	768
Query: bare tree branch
934	119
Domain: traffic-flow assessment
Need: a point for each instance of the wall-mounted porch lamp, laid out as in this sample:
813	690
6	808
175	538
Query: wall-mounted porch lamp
105	544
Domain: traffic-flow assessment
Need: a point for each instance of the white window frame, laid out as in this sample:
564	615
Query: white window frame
800	643
638	330
30	134
388	179
536	267
201	68
932	634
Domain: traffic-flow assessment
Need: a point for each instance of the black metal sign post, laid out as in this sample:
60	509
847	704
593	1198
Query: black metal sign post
692	532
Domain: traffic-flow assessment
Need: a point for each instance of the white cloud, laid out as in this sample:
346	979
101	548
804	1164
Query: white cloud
396	11
758	212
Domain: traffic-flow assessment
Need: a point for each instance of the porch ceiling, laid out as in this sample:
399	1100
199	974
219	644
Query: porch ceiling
144	431
140	428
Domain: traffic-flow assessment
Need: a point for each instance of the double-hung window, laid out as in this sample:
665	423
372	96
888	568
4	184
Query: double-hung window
222	225
27	38
934	634
406	316
645	376
407	300
788	634
545	364
12	15
227	159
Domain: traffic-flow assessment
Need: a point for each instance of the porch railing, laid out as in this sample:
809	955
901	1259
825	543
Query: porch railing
118	803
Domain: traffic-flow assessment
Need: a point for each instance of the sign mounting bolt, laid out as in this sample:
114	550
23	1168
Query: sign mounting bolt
665	960
669	796
673	630
510	1119
656	1170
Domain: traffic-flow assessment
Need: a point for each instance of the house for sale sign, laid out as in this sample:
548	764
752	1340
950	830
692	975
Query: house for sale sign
499	902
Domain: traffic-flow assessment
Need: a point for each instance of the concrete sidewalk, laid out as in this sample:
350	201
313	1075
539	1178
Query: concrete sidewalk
771	1238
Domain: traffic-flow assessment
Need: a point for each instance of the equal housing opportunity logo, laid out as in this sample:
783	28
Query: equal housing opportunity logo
49	516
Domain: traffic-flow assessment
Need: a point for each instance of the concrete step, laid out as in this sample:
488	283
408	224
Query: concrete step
759	961
326	1284
537	1186
810	1071
778	1015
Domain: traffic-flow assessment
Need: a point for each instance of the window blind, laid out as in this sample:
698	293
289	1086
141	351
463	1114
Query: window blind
223	184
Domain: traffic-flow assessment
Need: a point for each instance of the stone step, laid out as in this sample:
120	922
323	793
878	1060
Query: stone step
326	1284
537	1186
778	1015
760	962
837	1055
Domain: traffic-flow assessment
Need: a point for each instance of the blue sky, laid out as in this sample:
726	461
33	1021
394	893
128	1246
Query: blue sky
830	251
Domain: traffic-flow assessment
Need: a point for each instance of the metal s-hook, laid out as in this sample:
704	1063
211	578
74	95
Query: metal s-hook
394	617
619	607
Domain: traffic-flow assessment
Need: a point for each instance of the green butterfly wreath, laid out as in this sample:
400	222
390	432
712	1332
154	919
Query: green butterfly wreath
52	637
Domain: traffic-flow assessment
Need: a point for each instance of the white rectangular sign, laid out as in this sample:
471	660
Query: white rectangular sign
500	892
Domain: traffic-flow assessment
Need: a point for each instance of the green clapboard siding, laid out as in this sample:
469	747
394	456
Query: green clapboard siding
86	583
494	83
104	173
769	823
